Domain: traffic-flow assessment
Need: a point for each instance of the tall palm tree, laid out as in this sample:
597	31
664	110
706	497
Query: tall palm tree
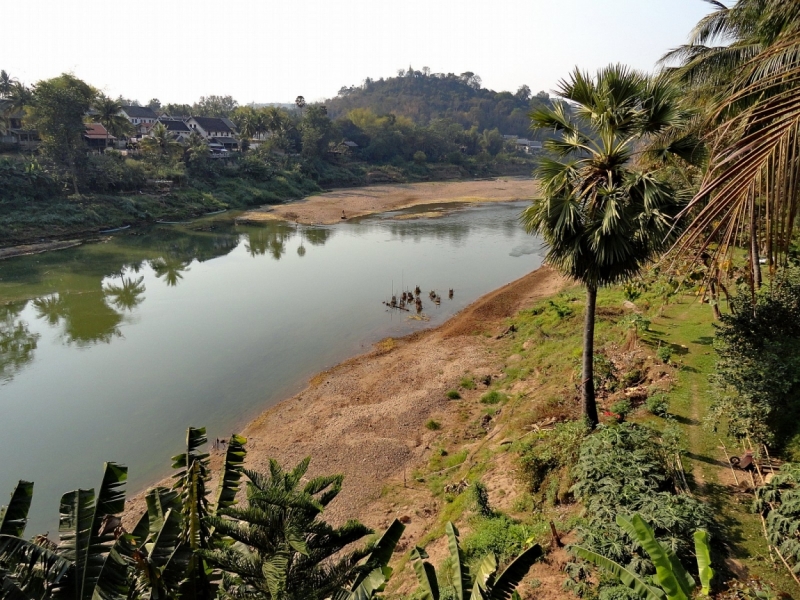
601	217
109	115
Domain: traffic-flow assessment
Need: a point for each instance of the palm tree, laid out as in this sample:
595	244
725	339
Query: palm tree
752	178
109	115
18	97
482	583
160	143
283	549
6	83
601	218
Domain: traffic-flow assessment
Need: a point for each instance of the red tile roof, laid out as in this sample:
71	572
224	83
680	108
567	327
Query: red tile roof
95	131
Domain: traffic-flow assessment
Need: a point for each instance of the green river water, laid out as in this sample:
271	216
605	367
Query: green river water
110	350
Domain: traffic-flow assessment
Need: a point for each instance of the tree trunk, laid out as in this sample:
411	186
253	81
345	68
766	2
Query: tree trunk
754	257
589	406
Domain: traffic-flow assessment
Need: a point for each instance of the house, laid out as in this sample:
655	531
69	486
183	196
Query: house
528	146
177	128
139	114
11	130
218	132
97	137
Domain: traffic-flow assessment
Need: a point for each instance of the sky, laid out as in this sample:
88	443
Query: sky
273	50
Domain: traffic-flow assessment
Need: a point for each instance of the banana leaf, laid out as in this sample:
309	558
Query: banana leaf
374	582
426	575
382	550
629	578
14	517
459	571
673	582
701	549
506	583
484	576
229	481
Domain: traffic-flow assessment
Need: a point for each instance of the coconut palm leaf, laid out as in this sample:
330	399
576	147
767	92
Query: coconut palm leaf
14	517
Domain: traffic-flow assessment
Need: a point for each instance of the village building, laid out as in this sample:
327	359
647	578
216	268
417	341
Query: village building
219	133
97	137
177	128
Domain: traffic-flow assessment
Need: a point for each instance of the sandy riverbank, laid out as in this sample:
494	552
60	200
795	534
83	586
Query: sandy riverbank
358	202
365	418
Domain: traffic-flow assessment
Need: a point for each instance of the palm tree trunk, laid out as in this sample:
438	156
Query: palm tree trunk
589	406
754	257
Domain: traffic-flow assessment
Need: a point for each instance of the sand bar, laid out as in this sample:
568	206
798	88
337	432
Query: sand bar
326	209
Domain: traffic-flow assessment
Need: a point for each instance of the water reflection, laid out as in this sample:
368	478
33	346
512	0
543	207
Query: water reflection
17	343
171	268
128	294
270	239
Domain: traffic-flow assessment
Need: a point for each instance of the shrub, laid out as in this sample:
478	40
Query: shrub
499	534
622	408
758	366
547	459
433	425
468	383
453	395
419	157
664	353
493	397
658	404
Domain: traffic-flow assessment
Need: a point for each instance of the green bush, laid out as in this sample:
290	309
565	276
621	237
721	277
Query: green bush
757	376
658	404
433	425
547	459
453	395
499	534
664	353
622	408
493	397
468	383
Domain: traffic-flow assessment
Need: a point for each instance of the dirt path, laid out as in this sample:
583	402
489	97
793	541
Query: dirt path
358	202
365	418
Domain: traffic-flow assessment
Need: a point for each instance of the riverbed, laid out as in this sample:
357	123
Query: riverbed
109	351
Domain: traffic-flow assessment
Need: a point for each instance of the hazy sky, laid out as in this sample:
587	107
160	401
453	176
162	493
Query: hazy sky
273	50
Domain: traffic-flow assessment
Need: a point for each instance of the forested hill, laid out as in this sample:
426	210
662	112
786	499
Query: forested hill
424	97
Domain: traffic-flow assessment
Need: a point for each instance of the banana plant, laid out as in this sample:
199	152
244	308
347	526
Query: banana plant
672	581
371	582
484	584
174	527
91	559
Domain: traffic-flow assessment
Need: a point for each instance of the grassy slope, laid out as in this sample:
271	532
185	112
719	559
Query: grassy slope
540	381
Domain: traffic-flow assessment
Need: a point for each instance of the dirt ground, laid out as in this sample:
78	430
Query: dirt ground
358	202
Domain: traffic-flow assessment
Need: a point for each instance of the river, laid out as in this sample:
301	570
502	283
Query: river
109	351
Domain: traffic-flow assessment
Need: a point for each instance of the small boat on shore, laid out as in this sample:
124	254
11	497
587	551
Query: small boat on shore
116	229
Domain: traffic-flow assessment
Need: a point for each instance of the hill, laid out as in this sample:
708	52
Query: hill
425	97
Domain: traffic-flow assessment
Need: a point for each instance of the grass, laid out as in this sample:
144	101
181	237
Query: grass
433	425
453	395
